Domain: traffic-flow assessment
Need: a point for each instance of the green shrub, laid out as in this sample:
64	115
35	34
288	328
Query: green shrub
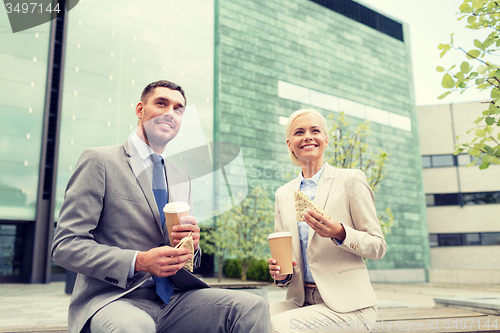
232	268
259	271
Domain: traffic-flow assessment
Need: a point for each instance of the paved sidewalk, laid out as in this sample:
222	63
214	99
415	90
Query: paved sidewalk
423	294
47	304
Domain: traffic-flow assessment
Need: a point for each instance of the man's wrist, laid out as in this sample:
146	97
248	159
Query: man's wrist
132	270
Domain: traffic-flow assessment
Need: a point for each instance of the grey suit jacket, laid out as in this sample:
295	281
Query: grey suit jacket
338	270
109	213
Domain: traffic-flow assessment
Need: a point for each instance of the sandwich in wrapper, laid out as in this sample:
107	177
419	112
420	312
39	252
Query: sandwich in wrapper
187	242
303	204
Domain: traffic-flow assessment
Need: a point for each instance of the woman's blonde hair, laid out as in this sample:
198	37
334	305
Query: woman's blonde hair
292	117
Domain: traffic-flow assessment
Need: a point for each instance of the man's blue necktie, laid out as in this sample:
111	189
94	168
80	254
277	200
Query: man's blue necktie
164	286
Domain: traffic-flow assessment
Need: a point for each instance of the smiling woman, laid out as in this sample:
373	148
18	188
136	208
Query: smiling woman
330	281
306	137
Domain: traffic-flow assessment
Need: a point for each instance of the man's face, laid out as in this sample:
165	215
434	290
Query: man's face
160	117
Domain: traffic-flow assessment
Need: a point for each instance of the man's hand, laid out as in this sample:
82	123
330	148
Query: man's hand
162	261
274	269
188	224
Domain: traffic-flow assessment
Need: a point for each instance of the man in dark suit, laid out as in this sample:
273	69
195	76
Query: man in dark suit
111	231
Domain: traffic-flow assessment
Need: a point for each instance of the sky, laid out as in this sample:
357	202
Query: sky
431	23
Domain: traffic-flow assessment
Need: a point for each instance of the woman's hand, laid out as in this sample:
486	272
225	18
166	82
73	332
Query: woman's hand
325	227
274	269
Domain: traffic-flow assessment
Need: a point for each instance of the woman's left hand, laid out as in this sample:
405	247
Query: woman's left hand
325	227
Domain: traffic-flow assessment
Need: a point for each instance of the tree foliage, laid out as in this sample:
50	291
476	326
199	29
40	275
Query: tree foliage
241	232
348	150
480	71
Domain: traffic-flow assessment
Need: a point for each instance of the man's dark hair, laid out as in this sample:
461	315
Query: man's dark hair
162	83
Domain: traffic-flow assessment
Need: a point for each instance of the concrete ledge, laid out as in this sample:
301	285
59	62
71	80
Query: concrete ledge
40	329
252	287
433	319
239	285
462	276
489	305
410	275
411	320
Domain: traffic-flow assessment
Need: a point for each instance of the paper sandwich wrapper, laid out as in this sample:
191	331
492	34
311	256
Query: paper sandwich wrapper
187	242
303	204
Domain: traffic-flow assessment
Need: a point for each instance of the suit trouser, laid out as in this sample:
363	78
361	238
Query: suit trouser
200	310
315	316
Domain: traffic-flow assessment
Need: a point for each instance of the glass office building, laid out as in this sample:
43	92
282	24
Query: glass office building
246	66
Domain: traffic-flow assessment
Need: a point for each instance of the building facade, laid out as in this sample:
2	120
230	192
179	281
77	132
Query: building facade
463	203
245	67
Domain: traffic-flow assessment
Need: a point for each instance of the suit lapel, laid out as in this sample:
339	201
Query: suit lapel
144	178
323	191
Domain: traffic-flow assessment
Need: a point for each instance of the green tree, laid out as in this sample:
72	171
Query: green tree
348	150
219	241
241	232
478	72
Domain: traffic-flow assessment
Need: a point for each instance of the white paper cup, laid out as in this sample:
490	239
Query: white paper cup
281	250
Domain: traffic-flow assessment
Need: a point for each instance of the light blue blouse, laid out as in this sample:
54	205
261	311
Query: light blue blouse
308	186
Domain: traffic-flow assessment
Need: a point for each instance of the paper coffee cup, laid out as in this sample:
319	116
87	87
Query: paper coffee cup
173	212
281	250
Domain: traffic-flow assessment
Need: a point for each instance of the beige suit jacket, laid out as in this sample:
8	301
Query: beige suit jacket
338	269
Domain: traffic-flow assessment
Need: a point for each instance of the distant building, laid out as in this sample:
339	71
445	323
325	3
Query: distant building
463	204
245	65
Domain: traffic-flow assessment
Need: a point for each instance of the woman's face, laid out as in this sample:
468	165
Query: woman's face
307	139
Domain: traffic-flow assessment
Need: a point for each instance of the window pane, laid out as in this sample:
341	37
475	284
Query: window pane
469	198
433	240
472	239
7	242
429	198
442	160
112	53
450	239
490	238
293	92
12	250
426	162
23	78
488	198
463	159
446	199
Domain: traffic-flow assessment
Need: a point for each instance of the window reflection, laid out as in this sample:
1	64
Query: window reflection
426	162
472	239
112	53
450	239
465	239
463	159
490	238
446	199
478	198
443	160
